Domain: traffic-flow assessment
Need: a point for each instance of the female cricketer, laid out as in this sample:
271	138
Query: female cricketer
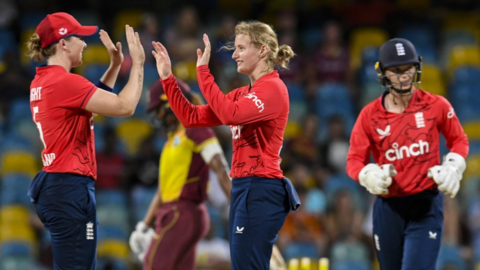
261	196
63	105
401	130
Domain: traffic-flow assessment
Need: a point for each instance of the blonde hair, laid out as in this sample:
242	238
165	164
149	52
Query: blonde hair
263	34
35	50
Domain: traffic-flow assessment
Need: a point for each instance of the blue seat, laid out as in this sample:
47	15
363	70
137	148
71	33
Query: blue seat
368	74
295	92
13	142
370	56
93	72
112	197
15	249
332	95
141	198
348	265
13	190
19	110
298	250
450	255
466	75
111	232
422	36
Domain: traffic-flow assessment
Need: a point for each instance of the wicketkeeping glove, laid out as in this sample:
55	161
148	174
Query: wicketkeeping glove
140	239
377	179
448	175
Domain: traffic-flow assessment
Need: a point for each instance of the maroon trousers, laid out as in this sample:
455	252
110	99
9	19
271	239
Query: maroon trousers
178	228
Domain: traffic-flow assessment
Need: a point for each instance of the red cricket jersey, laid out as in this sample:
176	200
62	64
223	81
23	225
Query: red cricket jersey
57	101
257	116
410	140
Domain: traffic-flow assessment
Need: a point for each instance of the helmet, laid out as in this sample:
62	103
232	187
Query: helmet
157	94
397	52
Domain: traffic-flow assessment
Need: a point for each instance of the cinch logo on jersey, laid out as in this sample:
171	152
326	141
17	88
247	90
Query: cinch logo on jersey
257	101
414	149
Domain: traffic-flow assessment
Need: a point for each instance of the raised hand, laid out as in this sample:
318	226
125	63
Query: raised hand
115	51
204	58
164	65
134	45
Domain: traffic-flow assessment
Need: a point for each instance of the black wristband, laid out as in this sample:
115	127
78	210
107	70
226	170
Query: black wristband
100	84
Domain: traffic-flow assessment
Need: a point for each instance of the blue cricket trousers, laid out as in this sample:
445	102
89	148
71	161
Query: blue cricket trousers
65	204
408	231
259	207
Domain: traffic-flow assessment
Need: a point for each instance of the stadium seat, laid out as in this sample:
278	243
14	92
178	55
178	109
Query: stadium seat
432	80
370	92
12	215
16	263
349	251
298	250
94	71
295	92
112	197
95	54
111	232
113	216
297	111
472	129
473	167
370	56
113	249
19	110
8	249
132	132
14	142
363	37
468	21
19	162
141	198
293	129
131	17
17	233
450	255
466	75
185	70
463	56
419	35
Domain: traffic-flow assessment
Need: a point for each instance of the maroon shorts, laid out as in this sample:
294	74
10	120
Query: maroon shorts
178	227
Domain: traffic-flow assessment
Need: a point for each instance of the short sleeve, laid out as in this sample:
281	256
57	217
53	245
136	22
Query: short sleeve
201	137
74	91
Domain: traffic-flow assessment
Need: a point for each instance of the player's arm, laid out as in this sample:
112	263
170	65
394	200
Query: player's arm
359	151
450	173
124	104
452	129
213	155
259	105
154	205
190	115
116	59
374	178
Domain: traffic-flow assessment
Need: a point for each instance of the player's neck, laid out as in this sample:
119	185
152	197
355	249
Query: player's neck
59	61
261	70
397	103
